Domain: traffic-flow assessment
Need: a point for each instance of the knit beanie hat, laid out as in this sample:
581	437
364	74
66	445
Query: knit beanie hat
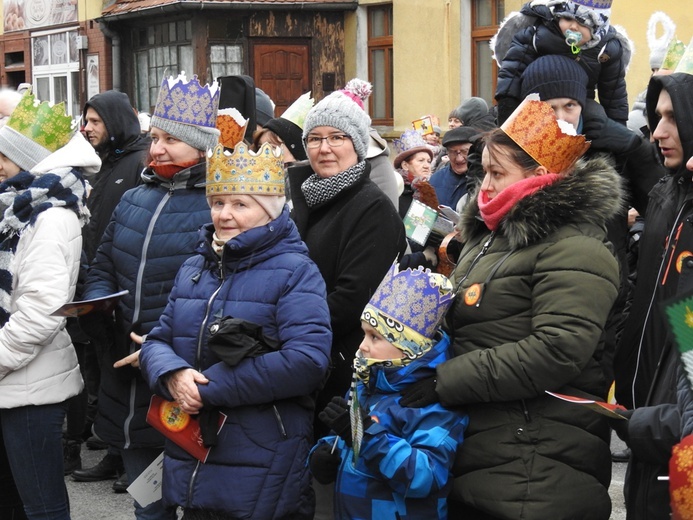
659	46
264	107
555	76
289	126
593	14
344	110
188	111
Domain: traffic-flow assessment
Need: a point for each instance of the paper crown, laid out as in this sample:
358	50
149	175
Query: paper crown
188	102
409	143
686	62
673	56
45	124
296	113
244	171
232	125
594	4
408	307
533	126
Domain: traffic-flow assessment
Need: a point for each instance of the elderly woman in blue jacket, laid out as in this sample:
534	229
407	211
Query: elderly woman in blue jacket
251	265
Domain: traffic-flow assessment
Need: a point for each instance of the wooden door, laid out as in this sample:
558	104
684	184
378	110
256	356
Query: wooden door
282	70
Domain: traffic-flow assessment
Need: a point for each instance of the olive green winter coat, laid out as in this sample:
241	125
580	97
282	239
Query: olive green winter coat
531	305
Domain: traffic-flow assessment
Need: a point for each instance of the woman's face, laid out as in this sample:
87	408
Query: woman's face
8	169
328	161
234	214
418	165
166	149
499	172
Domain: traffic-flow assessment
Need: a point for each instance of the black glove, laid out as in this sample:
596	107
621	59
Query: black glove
336	417
620	426
420	394
324	464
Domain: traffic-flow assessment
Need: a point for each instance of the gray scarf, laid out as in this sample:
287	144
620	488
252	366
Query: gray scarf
317	190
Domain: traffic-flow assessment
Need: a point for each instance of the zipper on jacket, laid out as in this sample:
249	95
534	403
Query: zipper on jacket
478	257
192	481
525	411
200	334
280	423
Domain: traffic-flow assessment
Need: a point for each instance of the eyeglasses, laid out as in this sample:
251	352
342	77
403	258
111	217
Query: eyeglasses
335	141
458	153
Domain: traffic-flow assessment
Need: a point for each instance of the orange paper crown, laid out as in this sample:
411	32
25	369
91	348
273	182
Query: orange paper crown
534	127
232	125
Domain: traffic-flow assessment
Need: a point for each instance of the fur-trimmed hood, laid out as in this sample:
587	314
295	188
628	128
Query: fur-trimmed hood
592	193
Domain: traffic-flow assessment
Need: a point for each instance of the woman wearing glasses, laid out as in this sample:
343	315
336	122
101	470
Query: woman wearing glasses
352	230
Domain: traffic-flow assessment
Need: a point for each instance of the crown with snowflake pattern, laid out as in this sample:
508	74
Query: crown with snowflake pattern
244	171
44	123
408	307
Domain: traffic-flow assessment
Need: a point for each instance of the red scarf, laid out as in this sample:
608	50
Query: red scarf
167	171
493	211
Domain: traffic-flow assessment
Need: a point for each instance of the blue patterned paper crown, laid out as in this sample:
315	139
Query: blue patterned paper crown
187	102
408	307
244	171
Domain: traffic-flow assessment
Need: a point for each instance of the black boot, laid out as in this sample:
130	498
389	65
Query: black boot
110	467
71	456
121	485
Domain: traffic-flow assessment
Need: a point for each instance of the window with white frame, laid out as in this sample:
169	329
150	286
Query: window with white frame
55	68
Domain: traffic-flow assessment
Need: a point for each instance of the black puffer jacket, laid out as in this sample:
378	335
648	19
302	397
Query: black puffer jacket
122	162
646	360
531	305
605	64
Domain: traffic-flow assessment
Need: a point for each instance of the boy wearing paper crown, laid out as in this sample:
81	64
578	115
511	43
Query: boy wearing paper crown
578	29
251	265
390	461
153	230
43	206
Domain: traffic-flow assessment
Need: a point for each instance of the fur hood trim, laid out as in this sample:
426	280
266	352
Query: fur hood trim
592	193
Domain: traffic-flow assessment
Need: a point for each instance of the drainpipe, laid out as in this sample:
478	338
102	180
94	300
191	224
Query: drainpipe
115	53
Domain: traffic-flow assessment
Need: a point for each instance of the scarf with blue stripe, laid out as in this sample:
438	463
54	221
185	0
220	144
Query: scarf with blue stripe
22	199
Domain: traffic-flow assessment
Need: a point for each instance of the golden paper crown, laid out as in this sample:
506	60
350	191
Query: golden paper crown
673	56
533	126
45	124
686	63
232	125
244	171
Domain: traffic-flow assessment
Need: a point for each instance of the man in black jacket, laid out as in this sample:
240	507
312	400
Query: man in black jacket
646	360
113	129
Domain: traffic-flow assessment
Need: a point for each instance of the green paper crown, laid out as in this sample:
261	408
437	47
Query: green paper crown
43	123
674	53
686	62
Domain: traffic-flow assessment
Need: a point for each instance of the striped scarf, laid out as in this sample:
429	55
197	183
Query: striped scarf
22	199
317	190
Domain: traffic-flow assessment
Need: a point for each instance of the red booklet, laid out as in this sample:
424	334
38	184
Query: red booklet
598	406
178	426
104	304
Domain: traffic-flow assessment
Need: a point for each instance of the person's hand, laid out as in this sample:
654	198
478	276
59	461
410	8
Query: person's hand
182	384
336	417
430	255
420	394
133	359
137	338
324	464
620	426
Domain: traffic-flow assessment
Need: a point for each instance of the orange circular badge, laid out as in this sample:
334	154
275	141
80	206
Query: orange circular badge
172	417
681	258
472	294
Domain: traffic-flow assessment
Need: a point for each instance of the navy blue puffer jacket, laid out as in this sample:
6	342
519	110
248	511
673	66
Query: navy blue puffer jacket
258	469
153	230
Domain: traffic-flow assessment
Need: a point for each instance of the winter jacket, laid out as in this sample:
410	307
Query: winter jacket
353	238
152	232
122	162
450	187
404	466
539	35
531	304
266	277
646	360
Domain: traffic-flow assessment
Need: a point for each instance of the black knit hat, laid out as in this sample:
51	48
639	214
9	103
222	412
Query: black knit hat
291	134
554	76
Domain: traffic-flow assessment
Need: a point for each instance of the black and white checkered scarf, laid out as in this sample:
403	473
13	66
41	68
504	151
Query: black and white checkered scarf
317	190
22	198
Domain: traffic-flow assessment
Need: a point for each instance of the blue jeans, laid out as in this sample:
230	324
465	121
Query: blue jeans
33	440
136	461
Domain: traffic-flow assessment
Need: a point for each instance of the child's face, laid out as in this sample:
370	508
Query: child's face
375	346
566	24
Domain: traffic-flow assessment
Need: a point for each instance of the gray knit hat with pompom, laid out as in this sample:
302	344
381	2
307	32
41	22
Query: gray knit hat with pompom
344	110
